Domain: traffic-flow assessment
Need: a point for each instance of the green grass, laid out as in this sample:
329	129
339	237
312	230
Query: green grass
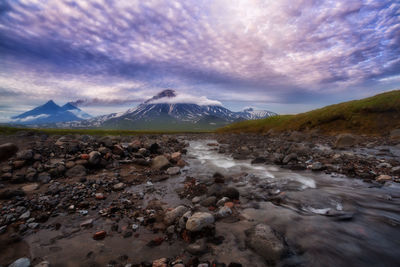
374	115
5	130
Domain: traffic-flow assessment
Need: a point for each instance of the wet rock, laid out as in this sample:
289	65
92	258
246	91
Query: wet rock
317	166
210	201
76	171
30	187
383	178
222	201
21	262
259	160
199	220
33	225
230	192
218	178
99	235
197	248
263	240
160	163
345	141
173	215
7	151
173	170
94	158
155	242
224	212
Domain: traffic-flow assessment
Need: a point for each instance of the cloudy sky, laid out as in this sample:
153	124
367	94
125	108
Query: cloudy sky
288	56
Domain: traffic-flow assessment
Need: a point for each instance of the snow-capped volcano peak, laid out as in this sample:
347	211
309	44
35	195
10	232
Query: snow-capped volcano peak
168	93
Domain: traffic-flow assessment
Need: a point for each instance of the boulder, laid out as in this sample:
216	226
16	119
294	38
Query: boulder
160	163
199	220
263	240
173	215
7	151
345	141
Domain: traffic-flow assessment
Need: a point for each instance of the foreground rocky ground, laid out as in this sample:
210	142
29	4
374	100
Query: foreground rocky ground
89	200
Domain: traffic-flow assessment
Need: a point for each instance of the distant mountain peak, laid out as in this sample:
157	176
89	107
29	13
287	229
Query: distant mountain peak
248	109
167	93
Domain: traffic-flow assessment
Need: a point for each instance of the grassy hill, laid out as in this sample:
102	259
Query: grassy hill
373	115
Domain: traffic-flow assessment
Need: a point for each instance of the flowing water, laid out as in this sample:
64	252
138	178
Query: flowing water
329	220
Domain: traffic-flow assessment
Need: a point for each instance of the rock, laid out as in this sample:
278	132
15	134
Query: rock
230	192
19	164
185	217
8	193
317	166
7	151
383	178
160	163
33	225
199	220
160	263
21	262
85	156
30	187
218	178
222	201
43	264
224	212
118	150
296	136
176	156
86	224
173	215
76	171
197	248
26	154
44	178
94	158
259	160
345	141
395	134
99	196
25	215
99	235
396	170
290	157
173	170
119	186
210	201
263	240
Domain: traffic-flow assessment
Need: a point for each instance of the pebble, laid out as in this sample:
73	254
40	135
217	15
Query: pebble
99	235
199	220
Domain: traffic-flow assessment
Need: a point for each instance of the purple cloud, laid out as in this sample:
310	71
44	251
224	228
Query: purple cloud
228	50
